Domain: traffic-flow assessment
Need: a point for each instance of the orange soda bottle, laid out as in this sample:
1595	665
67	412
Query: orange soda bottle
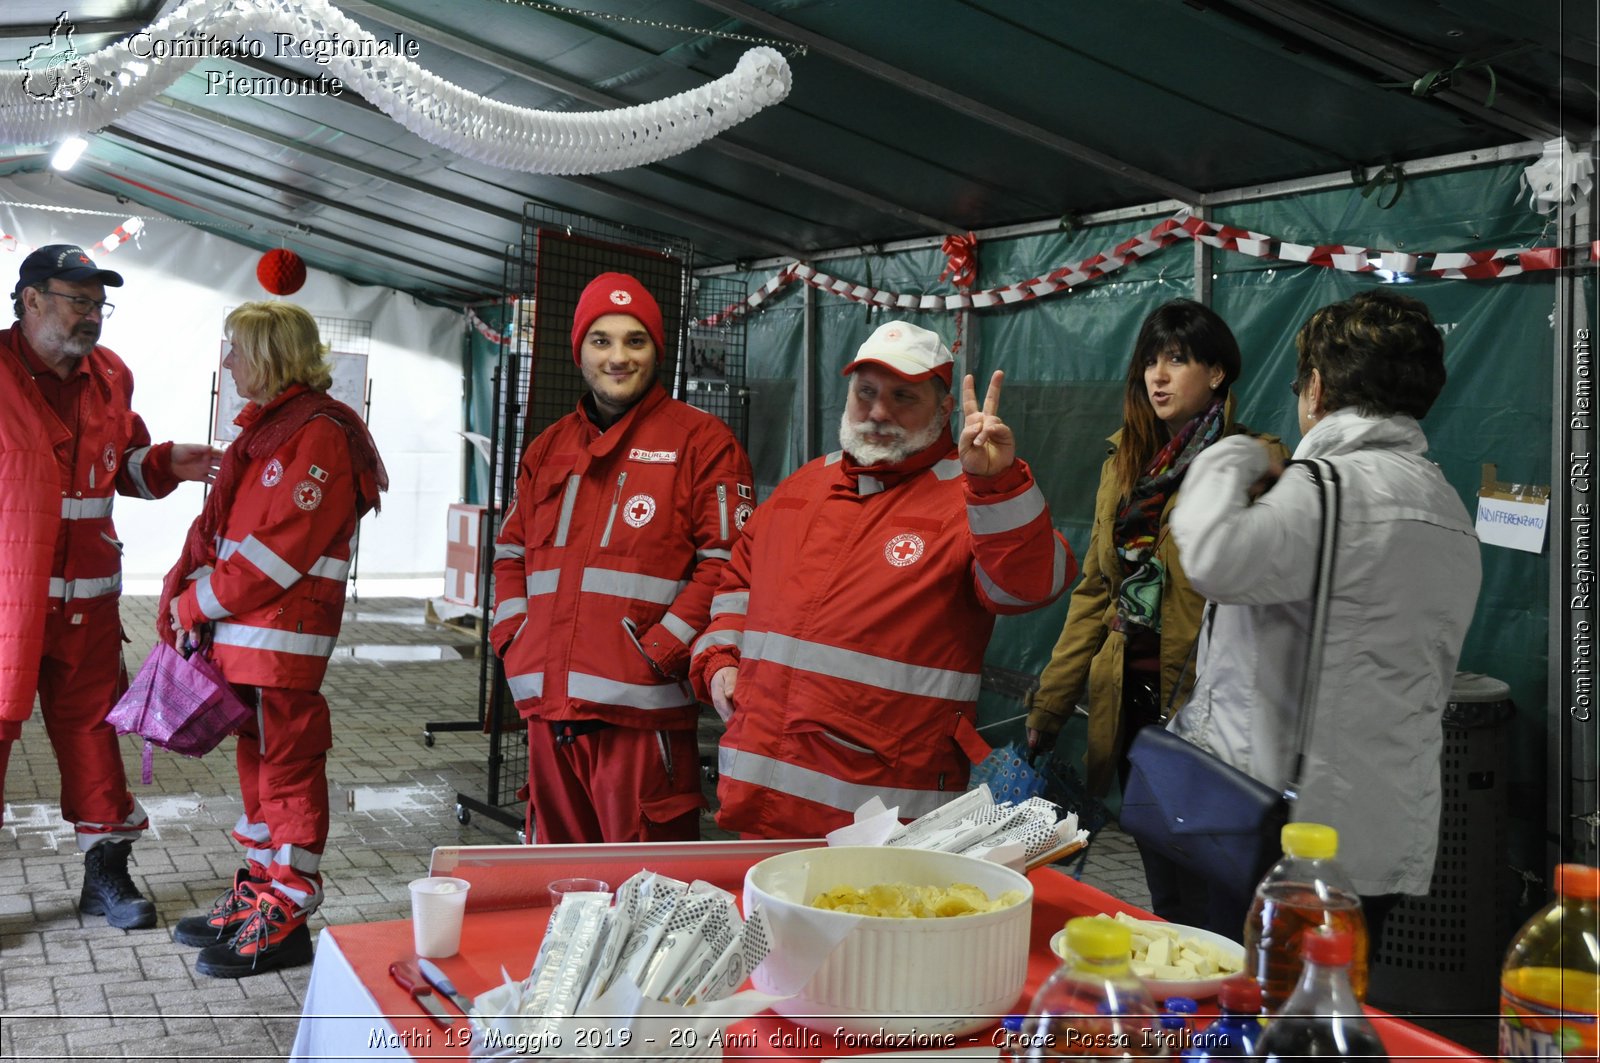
1550	984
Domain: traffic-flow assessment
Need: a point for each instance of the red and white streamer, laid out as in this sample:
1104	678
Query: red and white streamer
487	331
128	230
1447	265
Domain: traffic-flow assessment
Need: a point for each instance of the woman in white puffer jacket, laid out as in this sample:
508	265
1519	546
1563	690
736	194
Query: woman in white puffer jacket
1405	581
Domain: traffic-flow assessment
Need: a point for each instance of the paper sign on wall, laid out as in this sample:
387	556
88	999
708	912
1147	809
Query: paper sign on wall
1518	525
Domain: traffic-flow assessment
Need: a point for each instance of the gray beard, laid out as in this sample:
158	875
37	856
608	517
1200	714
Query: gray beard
853	441
66	342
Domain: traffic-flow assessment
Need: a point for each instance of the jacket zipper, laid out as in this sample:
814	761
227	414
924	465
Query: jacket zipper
722	508
665	749
616	500
849	744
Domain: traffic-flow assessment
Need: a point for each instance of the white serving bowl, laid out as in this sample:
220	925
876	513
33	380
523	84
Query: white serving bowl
928	976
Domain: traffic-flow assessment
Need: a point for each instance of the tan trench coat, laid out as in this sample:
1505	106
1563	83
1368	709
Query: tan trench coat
1088	656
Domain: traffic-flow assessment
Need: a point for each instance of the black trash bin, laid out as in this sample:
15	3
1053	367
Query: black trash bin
1441	953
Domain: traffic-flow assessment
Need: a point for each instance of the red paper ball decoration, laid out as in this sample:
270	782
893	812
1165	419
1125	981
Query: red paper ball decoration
281	272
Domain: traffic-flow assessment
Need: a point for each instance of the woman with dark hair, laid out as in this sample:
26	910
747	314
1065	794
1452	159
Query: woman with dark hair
1405	580
261	583
1134	618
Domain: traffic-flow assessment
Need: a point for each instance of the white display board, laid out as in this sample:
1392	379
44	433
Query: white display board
349	387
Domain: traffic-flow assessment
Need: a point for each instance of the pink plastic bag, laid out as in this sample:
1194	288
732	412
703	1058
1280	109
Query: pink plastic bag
179	703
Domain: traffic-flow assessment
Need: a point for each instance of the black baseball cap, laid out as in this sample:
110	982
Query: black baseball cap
66	261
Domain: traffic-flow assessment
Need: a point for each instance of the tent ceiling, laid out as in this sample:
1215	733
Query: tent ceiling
908	117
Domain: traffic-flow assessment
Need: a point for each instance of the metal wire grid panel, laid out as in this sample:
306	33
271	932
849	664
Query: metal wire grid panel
345	335
537	382
714	365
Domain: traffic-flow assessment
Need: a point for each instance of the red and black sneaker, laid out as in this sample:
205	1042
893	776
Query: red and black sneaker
270	939
228	913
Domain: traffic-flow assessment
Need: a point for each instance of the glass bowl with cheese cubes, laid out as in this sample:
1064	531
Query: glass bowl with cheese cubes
1174	960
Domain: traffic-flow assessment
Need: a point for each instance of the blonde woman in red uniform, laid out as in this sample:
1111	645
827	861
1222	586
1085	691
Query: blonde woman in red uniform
262	579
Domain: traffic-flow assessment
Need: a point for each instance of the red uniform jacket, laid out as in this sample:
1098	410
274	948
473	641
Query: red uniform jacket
274	589
607	560
30	519
858	607
111	454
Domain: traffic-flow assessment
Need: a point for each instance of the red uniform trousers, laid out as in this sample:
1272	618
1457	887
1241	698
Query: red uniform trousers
618	784
80	679
282	758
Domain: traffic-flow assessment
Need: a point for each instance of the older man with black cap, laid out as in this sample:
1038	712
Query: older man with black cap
626	512
847	637
62	636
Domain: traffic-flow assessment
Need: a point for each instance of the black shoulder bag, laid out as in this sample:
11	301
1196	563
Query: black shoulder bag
1207	816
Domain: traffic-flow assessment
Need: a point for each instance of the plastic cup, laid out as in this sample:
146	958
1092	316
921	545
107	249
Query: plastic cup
438	906
563	886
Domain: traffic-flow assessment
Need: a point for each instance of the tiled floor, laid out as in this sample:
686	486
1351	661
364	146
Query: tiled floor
75	989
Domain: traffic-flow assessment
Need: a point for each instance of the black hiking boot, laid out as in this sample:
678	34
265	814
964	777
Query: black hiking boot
108	891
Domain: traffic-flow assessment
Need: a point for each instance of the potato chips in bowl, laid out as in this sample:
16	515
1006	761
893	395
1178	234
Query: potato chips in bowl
949	971
901	900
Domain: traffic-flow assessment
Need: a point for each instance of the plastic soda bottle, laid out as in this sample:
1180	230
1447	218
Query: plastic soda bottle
1550	984
1238	1026
1305	889
1093	1005
1322	1017
1177	1022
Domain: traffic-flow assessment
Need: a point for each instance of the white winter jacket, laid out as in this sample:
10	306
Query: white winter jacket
1405	583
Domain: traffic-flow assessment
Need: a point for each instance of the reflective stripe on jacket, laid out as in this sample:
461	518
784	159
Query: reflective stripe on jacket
607	560
858	607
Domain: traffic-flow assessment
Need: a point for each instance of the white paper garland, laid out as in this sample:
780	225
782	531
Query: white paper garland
86	93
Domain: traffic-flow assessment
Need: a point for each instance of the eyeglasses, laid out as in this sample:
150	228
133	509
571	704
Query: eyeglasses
1294	388
82	304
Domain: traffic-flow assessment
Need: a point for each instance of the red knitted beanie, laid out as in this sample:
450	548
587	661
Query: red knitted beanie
616	293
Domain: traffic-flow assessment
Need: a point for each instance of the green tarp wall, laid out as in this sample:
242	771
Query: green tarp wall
1066	355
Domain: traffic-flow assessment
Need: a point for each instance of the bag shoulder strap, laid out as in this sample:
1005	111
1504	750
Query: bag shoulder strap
1326	476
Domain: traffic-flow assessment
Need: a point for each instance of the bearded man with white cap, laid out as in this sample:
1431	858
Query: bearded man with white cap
625	514
847	636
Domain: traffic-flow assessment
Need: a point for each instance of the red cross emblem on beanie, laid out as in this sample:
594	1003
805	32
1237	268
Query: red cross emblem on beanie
621	297
903	549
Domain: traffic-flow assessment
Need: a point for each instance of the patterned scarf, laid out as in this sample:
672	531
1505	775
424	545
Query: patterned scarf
1138	522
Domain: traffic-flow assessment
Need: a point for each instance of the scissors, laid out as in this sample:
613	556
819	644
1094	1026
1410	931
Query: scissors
405	973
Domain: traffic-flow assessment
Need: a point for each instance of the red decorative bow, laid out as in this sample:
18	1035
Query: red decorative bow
961	260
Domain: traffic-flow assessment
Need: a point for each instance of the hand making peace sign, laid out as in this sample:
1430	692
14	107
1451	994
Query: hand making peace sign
987	446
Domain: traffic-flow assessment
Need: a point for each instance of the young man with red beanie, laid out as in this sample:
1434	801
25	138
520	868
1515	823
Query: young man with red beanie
625	515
